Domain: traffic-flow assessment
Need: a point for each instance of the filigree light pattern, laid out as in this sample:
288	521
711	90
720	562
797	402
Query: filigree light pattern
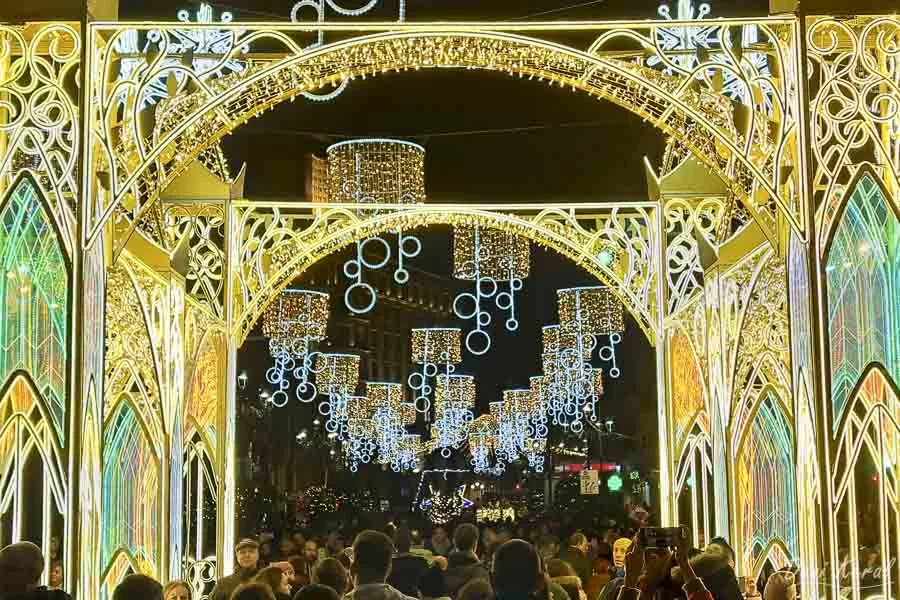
40	125
765	487
863	275
131	491
203	398
855	105
276	242
701	118
34	292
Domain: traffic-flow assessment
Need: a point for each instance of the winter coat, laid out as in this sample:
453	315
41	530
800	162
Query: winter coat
227	585
407	571
377	591
463	567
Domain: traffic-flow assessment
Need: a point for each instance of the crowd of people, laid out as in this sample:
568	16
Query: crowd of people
395	563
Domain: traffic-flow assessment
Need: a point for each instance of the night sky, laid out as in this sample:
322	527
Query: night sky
488	138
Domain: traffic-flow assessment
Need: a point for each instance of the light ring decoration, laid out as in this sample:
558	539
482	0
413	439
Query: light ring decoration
454	401
337	376
292	323
376	171
570	386
487	257
432	347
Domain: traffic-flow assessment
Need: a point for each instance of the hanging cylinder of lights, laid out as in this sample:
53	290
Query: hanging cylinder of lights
391	415
567	372
488	258
482	441
360	446
293	322
376	171
454	401
593	313
433	348
337	376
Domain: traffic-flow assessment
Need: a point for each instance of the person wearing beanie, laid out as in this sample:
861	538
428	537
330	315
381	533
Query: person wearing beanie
247	554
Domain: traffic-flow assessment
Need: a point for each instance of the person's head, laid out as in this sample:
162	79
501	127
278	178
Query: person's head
402	539
517	571
439	535
620	549
21	566
254	590
372	552
334	544
476	589
432	584
311	551
138	587
465	537
503	535
488	538
299	539
563	574
331	573
780	586
56	574
720	544
177	590
247	553
415	538
316	591
578	540
276	578
288	569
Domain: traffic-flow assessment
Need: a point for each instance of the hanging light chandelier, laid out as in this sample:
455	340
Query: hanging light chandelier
376	171
454	401
488	257
337	376
295	320
434	348
593	313
482	441
391	415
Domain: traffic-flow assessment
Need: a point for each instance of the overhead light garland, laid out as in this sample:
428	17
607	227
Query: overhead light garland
376	171
488	257
295	320
433	348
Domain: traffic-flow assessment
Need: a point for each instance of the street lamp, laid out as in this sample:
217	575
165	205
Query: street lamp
242	380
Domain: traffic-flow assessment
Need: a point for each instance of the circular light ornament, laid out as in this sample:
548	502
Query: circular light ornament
614	483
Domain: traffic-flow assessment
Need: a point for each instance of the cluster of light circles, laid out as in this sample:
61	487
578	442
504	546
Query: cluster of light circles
489	258
376	171
454	401
296	320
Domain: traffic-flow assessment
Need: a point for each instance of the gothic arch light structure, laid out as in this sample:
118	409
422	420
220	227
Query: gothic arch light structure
279	242
744	149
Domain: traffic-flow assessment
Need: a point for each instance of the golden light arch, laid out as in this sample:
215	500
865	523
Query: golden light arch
550	228
187	125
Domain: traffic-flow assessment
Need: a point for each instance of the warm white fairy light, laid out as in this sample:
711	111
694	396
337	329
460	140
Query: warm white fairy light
435	349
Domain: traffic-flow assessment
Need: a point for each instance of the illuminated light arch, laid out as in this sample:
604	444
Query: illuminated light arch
688	396
764	490
132	505
27	427
35	293
862	271
91	485
123	563
548	229
203	394
191	123
696	447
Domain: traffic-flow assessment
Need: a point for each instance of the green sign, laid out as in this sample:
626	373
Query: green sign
614	483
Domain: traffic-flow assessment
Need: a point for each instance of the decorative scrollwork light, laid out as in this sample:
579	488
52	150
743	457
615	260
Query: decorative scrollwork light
376	171
432	347
292	323
488	257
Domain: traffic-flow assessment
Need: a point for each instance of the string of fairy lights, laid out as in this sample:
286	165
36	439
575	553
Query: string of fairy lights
371	420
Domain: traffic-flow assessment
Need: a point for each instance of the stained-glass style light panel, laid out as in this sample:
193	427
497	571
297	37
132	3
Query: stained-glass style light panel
765	485
131	480
863	274
687	386
34	294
